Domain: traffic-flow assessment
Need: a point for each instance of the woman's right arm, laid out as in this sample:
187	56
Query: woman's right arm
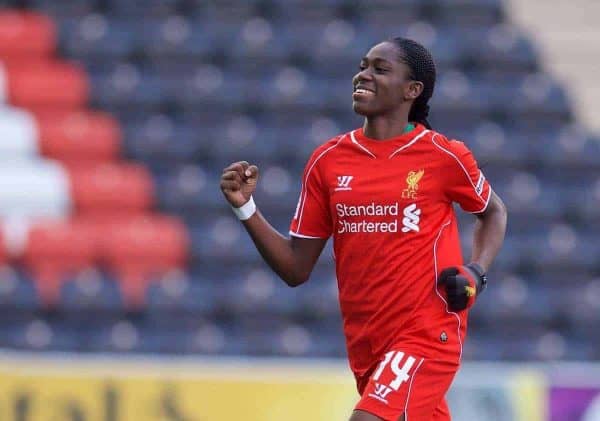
291	258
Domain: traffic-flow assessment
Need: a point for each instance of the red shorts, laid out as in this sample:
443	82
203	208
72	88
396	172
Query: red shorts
409	384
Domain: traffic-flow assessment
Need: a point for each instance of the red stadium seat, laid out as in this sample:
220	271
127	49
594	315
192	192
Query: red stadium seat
56	249
142	248
47	85
111	188
25	34
78	136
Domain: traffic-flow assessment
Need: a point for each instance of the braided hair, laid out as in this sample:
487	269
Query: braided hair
422	67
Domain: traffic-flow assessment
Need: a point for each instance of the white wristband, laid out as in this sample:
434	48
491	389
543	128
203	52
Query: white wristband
246	210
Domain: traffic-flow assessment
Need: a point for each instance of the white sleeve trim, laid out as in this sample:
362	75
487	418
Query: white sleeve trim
487	202
295	234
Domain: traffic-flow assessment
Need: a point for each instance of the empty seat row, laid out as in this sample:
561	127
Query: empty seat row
467	12
45	189
123	335
166	142
268	337
135	249
78	136
318	42
534	96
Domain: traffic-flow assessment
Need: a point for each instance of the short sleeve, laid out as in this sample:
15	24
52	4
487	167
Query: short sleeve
312	218
465	183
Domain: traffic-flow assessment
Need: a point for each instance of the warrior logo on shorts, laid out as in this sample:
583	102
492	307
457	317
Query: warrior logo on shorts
412	181
382	390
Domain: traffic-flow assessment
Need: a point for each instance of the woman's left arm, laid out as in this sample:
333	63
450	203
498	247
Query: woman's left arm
489	232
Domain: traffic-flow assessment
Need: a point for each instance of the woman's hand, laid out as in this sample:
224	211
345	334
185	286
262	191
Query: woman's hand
238	182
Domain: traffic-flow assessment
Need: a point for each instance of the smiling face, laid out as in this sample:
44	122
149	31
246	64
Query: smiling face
383	85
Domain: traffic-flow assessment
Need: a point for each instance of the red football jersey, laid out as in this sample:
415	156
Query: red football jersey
388	205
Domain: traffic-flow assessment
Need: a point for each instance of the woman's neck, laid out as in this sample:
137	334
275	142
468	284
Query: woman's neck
379	128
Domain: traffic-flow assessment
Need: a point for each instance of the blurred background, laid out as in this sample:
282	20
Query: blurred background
119	257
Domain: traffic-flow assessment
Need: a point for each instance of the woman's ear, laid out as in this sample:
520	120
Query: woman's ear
413	90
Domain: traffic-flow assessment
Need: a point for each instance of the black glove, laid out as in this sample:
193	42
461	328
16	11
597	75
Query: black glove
463	285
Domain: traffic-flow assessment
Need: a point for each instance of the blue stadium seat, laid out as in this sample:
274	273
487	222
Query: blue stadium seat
464	12
172	37
225	11
256	290
500	47
386	16
162	143
212	339
137	8
90	291
216	240
191	190
176	293
318	298
96	39
281	338
17	292
65	8
37	334
128	86
123	336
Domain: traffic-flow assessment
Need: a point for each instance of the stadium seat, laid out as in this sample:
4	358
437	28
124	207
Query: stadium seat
386	16
123	336
24	35
46	85
174	37
111	188
94	38
55	250
257	291
140	249
47	179
212	339
175	293
78	137
90	292
64	9
464	12
188	191
20	132
319	296
17	292
135	8
215	240
127	86
43	335
161	143
498	48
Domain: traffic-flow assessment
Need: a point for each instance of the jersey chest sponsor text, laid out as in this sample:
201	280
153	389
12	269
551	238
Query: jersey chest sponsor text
394	210
377	218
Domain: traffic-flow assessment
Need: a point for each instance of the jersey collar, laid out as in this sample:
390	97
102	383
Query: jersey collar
387	148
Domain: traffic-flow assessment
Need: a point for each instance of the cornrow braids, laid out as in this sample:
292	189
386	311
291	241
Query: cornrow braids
422	67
